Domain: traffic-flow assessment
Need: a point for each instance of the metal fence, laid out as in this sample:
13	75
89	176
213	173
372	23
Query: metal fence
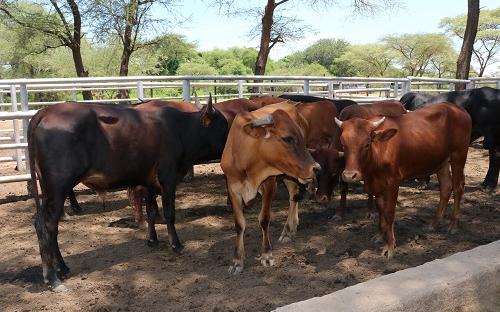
36	93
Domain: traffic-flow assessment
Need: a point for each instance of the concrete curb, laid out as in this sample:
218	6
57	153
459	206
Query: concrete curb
466	279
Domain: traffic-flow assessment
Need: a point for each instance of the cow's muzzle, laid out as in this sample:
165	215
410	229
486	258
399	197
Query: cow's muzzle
351	176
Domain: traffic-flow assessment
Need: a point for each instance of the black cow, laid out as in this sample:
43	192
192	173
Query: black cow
339	104
108	147
483	105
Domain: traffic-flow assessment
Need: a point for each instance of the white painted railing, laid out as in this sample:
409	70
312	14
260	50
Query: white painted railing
361	89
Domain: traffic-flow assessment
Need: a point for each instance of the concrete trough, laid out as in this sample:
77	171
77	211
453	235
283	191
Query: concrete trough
466	281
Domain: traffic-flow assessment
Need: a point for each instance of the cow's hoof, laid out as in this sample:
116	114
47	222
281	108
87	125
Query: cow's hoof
177	248
59	287
387	252
371	216
152	243
266	260
64	272
452	229
286	237
236	268
487	188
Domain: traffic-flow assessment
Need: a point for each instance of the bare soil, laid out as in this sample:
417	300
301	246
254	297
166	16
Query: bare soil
114	270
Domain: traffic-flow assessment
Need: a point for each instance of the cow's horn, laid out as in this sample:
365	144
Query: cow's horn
266	120
338	122
210	107
377	123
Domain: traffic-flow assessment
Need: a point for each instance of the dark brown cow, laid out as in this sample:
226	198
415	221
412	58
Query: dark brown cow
331	158
383	151
261	146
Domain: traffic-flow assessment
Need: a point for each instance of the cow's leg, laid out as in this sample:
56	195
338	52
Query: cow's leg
370	202
388	212
382	226
239	224
292	221
268	190
339	213
445	188
168	201
491	179
189	175
135	197
458	180
73	203
151	212
46	225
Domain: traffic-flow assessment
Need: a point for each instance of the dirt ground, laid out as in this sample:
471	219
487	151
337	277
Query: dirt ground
114	270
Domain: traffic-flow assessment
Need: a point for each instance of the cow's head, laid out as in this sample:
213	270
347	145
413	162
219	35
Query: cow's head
357	138
214	127
281	146
331	161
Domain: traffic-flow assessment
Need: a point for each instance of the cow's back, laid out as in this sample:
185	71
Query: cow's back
389	108
426	138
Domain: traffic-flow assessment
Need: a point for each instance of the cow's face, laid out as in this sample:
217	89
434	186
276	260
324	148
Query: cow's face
331	161
357	138
215	127
282	146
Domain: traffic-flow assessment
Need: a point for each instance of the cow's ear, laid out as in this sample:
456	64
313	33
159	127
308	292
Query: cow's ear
383	135
256	131
208	112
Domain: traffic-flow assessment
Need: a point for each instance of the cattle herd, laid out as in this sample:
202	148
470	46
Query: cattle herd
311	144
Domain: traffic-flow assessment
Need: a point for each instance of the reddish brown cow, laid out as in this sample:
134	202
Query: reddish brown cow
331	158
266	100
382	151
259	147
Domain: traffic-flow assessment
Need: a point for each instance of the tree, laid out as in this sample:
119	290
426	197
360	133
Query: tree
61	28
171	51
369	60
276	26
196	69
463	62
128	20
415	51
487	42
325	52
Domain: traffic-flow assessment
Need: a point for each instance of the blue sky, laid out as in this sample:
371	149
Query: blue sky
210	30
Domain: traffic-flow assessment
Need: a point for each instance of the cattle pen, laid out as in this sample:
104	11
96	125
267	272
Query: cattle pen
114	270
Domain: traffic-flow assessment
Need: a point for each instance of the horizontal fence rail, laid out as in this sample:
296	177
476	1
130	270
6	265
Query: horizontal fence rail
21	98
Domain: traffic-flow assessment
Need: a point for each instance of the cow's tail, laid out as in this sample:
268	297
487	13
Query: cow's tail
35	120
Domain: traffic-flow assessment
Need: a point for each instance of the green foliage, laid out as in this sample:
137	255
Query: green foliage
196	69
370	60
487	42
415	51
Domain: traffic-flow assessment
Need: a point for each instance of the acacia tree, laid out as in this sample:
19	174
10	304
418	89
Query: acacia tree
487	42
62	26
415	51
128	20
464	58
276	26
370	59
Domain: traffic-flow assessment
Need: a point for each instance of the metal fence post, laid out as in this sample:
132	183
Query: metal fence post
306	87
140	90
331	94
498	84
451	87
396	89
1	96
388	91
74	96
240	88
17	139
186	87
24	108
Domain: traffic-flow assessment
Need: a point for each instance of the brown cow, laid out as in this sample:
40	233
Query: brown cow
331	158
265	100
261	146
383	151
316	123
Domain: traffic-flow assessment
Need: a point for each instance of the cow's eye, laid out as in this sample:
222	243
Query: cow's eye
287	139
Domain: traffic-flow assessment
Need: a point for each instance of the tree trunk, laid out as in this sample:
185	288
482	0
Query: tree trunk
265	40
464	59
127	43
76	46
